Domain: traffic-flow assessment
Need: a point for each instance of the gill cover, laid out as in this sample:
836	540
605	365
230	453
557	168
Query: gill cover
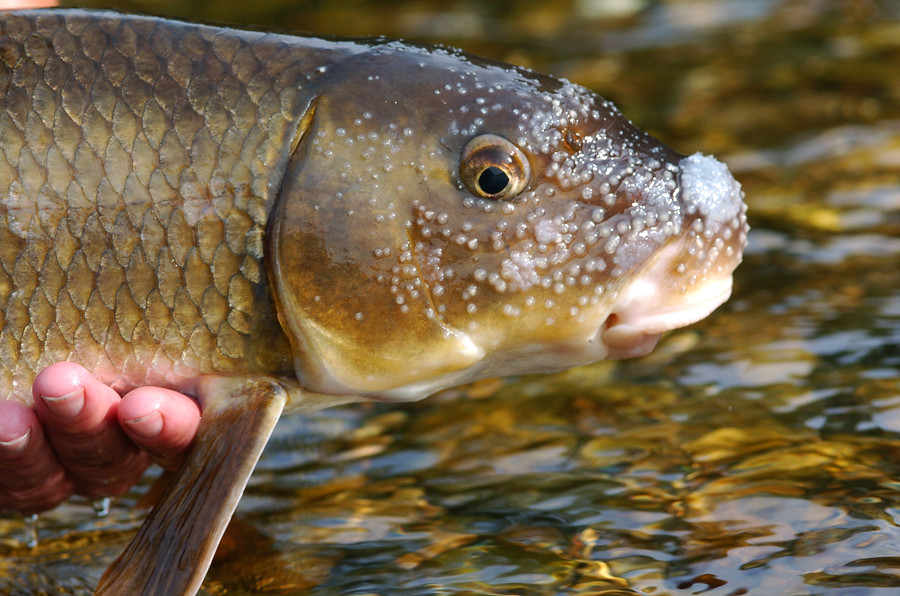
349	292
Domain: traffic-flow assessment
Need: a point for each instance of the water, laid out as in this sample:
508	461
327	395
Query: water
754	453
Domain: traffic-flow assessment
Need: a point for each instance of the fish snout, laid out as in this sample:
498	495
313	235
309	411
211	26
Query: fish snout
691	275
709	190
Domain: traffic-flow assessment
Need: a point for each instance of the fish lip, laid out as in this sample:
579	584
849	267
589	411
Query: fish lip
625	343
634	325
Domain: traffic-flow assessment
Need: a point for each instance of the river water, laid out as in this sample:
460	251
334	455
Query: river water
757	452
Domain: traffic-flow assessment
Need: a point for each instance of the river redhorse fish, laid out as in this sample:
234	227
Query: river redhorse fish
259	220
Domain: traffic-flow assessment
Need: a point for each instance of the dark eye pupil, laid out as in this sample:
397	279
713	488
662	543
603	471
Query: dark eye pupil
493	180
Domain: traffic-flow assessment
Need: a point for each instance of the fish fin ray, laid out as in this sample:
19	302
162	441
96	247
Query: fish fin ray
175	545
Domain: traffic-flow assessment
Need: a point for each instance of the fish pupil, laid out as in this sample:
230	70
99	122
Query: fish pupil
493	180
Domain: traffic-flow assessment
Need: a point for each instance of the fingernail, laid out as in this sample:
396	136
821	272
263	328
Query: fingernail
148	426
66	406
17	445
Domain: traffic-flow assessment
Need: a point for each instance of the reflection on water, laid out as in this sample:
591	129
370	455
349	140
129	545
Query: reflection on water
755	453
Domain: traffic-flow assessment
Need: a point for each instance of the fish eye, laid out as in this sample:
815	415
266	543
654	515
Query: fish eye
493	168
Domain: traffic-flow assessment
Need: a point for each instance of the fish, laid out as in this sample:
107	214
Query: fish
267	221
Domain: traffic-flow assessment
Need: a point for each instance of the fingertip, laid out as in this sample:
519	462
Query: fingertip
31	479
141	413
58	379
146	427
70	400
16	424
140	403
15	419
172	405
161	421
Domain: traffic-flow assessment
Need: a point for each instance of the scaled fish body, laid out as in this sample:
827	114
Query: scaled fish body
272	218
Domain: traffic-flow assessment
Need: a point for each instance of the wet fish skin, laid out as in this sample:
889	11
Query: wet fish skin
210	209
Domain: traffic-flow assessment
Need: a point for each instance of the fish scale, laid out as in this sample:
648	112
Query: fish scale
141	161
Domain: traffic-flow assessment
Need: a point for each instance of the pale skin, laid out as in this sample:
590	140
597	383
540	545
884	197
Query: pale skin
82	438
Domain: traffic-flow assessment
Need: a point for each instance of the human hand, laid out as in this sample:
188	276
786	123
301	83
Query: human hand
19	4
82	438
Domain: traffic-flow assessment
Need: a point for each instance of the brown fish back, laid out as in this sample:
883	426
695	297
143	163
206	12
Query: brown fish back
139	159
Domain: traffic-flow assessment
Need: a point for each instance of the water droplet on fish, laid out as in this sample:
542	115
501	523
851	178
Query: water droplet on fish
31	530
101	506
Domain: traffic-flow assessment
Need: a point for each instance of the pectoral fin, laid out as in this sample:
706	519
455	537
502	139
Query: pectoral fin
174	547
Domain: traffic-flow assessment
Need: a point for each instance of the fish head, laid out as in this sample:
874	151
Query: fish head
449	219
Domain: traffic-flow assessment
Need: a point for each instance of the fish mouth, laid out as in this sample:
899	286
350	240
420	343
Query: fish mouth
630	332
623	341
679	287
649	307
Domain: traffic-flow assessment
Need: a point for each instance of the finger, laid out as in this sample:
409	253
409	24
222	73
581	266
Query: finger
79	415
161	421
31	478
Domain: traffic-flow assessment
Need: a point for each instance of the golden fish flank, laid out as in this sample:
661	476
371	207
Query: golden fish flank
140	161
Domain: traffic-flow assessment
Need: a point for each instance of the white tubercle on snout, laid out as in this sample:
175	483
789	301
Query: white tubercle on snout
708	186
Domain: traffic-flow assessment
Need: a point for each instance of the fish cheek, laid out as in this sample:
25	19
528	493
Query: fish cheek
349	294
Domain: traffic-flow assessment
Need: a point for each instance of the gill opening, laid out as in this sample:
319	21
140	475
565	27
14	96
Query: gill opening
304	124
276	286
